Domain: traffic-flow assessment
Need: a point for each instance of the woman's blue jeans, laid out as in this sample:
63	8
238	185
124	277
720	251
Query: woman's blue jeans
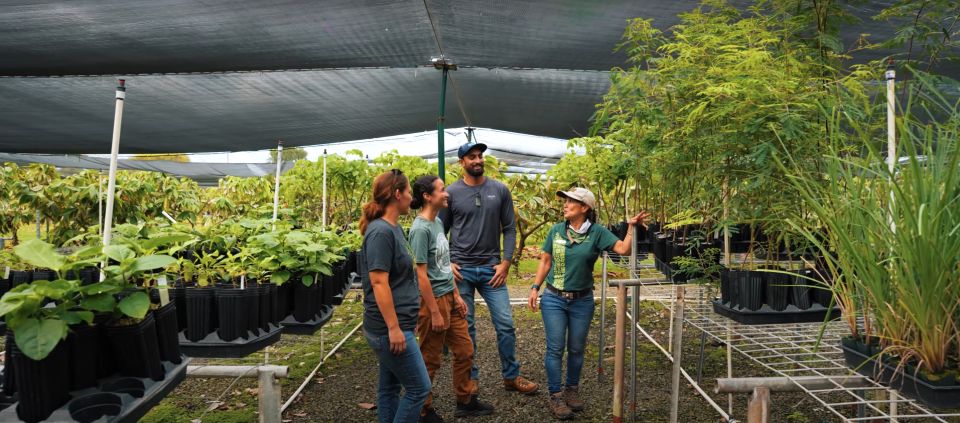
406	371
566	323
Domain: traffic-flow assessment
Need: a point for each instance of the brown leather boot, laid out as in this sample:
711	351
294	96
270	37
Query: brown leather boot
558	406
572	395
521	385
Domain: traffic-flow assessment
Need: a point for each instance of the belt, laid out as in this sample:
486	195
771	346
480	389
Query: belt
570	295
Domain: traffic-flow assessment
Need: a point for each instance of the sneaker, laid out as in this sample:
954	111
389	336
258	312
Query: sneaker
572	395
431	416
521	385
473	408
558	407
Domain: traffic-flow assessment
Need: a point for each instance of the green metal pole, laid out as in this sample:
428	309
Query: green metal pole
443	107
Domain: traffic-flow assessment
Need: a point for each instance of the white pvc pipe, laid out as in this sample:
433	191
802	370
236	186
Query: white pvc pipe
114	150
276	184
323	218
891	76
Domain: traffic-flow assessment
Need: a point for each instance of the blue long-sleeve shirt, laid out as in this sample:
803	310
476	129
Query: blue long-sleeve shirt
476	219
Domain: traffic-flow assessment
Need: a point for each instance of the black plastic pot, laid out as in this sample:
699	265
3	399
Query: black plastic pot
265	300
83	344
4	286
136	350
800	292
9	376
89	275
284	301
168	333
178	296
105	364
43	275
328	288
231	303
20	277
92	407
823	294
200	309
724	286
305	301
251	299
351	263
43	385
737	280
750	290
777	292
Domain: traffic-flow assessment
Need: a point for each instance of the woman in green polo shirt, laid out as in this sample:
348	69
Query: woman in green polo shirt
569	253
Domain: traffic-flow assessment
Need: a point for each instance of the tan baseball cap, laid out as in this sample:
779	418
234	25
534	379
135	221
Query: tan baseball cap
582	195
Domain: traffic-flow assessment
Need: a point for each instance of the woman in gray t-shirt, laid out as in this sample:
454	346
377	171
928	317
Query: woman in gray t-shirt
392	301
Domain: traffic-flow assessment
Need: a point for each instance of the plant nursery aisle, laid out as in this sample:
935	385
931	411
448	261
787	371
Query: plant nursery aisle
345	387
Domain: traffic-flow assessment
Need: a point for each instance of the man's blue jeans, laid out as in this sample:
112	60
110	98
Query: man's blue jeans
566	323
405	371
498	301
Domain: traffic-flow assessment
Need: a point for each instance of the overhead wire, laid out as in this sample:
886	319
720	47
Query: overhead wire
453	81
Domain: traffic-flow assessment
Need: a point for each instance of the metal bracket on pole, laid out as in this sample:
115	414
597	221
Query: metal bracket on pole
269	392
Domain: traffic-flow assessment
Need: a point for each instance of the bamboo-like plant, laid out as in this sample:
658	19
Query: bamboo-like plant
892	239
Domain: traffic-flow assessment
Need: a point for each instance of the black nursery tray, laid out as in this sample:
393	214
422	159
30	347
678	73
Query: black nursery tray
766	315
292	326
213	346
907	383
117	399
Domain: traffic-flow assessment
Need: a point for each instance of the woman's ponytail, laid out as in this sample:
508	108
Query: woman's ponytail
384	185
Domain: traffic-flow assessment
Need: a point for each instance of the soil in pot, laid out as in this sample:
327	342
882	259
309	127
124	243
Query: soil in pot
42	385
135	347
200	312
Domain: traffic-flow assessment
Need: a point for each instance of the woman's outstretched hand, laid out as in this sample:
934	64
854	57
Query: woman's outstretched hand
639	219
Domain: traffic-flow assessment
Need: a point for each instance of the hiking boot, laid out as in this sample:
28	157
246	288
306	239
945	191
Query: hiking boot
521	385
558	407
473	408
572	395
431	416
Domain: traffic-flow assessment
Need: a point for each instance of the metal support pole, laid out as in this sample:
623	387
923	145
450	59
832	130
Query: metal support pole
633	253
269	395
677	354
114	150
441	156
635	312
323	217
100	201
619	343
729	368
603	316
276	183
891	76
758	411
894	399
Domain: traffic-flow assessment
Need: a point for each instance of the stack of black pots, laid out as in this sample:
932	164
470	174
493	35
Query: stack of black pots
773	295
90	357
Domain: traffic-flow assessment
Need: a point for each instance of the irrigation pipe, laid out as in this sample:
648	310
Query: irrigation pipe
686	375
315	369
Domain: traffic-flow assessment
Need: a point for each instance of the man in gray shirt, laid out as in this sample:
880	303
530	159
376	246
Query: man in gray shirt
480	211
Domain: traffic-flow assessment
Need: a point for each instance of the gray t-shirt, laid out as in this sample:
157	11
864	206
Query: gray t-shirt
430	247
476	218
385	248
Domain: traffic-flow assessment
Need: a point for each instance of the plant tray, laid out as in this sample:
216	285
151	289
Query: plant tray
292	326
767	316
213	346
907	383
118	399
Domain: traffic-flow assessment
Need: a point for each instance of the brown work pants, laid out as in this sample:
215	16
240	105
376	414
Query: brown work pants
457	340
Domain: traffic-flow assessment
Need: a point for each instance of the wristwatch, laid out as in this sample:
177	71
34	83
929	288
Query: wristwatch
535	287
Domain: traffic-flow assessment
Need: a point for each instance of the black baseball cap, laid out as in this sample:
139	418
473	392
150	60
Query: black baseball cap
465	148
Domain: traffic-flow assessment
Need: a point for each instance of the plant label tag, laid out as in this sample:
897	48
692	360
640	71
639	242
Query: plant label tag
164	292
243	281
6	272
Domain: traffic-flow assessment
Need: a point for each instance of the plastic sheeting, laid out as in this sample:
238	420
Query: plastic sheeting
251	111
203	173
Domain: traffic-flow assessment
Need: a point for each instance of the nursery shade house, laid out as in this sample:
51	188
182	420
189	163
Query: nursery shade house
801	193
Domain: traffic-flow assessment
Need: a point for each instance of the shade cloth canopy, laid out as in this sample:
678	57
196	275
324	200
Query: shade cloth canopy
232	75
